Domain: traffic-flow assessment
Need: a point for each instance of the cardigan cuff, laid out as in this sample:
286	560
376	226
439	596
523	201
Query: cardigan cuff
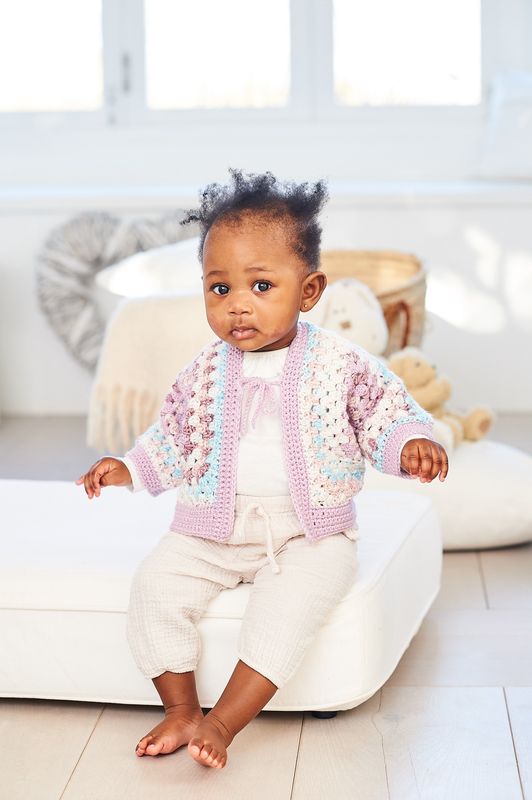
143	469
395	443
136	484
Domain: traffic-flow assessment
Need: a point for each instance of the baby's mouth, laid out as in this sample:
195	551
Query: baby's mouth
243	333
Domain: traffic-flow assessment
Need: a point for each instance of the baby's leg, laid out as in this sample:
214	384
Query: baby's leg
243	698
168	596
285	611
283	615
182	714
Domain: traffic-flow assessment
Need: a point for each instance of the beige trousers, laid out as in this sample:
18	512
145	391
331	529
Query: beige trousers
296	583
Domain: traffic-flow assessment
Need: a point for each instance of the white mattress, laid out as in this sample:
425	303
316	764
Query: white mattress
65	573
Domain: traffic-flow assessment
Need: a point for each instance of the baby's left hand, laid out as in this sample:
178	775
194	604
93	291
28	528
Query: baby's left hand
424	459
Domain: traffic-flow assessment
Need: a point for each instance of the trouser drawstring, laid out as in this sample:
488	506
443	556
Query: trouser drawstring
269	536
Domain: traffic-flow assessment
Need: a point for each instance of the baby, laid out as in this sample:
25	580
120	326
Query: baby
263	437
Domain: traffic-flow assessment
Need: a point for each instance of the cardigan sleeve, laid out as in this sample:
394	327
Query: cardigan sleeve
156	453
382	413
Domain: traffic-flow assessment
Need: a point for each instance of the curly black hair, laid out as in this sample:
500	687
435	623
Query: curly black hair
295	205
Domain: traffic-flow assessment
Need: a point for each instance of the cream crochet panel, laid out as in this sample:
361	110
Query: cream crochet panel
147	342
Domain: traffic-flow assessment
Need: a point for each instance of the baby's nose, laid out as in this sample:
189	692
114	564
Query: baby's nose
239	304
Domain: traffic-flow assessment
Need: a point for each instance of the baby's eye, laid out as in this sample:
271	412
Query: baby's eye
262	283
219	286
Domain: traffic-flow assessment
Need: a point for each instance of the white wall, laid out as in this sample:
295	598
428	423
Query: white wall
384	145
475	239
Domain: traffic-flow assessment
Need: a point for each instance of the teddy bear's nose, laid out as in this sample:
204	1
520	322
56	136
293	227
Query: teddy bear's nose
345	324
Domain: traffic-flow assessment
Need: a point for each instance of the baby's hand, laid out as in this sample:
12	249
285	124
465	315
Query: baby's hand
106	472
424	459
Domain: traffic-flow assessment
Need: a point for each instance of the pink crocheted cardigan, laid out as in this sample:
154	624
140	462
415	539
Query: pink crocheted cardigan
338	406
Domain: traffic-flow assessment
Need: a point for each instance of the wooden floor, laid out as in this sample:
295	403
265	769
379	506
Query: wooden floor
453	722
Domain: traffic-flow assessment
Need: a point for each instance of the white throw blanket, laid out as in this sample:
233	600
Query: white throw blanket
147	342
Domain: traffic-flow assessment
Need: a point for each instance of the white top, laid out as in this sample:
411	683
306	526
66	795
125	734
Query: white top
261	469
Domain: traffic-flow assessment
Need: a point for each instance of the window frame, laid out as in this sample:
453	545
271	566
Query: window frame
503	44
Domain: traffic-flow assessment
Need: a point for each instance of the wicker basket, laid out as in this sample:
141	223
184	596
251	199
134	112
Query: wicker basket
397	279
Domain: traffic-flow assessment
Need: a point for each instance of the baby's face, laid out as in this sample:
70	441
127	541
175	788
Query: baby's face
253	281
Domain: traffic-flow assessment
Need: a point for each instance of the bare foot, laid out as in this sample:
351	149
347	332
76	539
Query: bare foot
176	729
209	742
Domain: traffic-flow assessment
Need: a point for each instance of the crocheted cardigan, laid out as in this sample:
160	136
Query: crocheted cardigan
338	405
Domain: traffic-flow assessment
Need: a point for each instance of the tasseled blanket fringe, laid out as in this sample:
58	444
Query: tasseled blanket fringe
118	414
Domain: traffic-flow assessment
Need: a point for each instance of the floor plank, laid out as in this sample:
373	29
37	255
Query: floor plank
461	585
342	757
447	744
41	742
261	762
508	576
469	648
519	701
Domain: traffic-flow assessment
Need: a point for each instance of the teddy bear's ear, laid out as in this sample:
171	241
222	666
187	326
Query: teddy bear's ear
408	352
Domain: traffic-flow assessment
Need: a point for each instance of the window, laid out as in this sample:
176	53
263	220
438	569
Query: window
153	63
214	54
412	52
52	52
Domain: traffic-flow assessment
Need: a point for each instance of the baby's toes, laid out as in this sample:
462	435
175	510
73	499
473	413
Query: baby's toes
195	746
219	760
155	746
142	745
201	752
208	752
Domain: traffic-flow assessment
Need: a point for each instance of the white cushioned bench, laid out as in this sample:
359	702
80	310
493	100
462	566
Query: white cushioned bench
65	574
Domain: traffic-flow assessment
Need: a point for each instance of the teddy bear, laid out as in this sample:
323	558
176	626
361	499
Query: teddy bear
350	308
432	392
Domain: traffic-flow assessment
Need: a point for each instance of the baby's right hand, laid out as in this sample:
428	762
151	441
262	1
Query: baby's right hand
105	472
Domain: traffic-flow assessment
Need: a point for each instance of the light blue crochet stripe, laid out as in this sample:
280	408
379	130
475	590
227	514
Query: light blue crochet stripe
311	344
157	435
207	485
388	376
342	475
155	432
317	392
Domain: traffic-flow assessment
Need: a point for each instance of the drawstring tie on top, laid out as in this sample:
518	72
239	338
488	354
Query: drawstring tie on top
267	400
